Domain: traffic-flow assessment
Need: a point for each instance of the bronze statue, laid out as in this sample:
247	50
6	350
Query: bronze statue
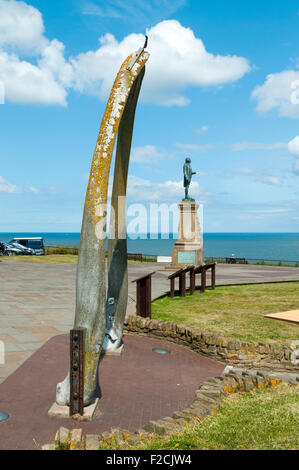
187	178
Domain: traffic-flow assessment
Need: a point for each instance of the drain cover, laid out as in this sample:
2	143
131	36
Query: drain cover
161	351
3	416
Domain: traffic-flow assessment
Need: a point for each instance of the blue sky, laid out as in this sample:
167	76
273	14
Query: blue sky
218	88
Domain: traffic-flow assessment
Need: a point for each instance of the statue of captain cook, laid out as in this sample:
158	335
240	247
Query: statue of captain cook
188	173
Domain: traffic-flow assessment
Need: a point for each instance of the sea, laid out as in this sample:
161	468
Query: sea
267	246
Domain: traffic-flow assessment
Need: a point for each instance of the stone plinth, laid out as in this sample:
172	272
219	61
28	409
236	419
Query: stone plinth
188	249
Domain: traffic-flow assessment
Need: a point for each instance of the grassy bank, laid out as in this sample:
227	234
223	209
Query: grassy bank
262	420
236	311
50	259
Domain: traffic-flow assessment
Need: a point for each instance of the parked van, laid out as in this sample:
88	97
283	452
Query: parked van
35	243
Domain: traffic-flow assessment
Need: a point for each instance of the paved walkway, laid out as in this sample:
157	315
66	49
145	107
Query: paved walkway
136	387
37	301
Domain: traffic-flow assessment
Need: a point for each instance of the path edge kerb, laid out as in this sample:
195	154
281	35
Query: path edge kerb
207	401
249	354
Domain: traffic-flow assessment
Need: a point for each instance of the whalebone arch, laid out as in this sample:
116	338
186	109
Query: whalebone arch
103	319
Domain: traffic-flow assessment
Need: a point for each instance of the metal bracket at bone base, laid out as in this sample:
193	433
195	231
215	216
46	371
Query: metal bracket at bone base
137	55
77	352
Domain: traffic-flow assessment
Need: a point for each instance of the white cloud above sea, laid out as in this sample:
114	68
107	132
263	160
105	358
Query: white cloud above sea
140	189
6	187
293	146
10	188
34	69
260	177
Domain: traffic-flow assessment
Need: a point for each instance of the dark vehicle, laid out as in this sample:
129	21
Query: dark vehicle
13	249
35	244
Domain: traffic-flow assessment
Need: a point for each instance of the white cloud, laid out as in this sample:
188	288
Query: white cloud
194	147
28	83
41	82
140	189
240	146
268	179
201	130
178	60
296	166
95	10
147	154
279	92
134	11
21	25
6	187
293	146
259	176
33	189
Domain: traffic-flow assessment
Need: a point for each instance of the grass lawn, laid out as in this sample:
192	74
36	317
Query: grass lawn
52	259
236	311
261	419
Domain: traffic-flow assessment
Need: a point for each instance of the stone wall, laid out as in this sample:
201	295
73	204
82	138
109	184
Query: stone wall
207	400
249	354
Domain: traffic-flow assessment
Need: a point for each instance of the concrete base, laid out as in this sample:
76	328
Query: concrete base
58	411
116	352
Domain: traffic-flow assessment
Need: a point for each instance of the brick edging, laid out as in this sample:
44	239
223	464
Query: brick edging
207	401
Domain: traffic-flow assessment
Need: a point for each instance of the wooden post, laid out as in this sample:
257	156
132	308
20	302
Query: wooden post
213	276
182	284
148	297
192	281
172	287
203	280
144	295
172	278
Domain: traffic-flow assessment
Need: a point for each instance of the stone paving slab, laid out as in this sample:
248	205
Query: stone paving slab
133	388
37	301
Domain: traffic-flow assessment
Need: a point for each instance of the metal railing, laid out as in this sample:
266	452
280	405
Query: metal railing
146	258
254	261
